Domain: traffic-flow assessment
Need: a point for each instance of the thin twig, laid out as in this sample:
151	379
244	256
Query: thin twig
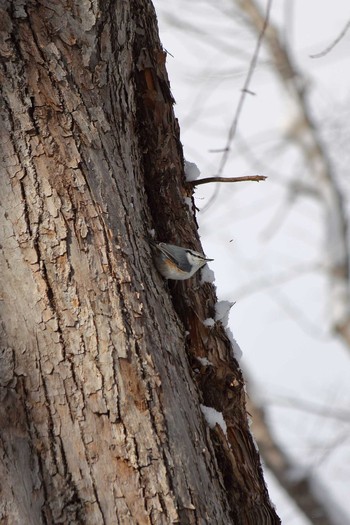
207	180
244	91
333	44
308	406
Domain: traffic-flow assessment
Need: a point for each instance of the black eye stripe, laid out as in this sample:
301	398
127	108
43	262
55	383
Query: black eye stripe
198	255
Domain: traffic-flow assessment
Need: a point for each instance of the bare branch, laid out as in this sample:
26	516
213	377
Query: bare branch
334	43
300	485
245	91
305	135
266	282
309	406
207	180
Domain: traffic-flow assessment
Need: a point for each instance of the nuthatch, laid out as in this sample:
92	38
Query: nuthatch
175	262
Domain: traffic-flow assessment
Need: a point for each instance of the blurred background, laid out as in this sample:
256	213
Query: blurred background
281	247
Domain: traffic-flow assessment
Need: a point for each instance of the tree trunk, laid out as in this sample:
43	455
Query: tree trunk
100	383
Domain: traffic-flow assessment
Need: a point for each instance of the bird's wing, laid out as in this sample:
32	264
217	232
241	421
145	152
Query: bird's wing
178	258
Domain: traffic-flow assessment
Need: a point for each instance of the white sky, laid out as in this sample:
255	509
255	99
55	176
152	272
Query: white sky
251	230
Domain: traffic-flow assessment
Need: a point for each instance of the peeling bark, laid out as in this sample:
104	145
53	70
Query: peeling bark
100	411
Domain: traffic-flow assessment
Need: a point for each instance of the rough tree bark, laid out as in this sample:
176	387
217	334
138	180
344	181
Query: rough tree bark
100	418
